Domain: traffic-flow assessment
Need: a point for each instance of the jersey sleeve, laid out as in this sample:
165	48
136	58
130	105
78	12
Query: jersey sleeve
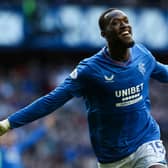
72	86
74	83
160	72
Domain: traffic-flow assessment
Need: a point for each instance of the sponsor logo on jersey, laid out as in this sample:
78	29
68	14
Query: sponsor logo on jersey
129	96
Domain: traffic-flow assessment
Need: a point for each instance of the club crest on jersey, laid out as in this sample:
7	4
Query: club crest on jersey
141	67
74	74
109	78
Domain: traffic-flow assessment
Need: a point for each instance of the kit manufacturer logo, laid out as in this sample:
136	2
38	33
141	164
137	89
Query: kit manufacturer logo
109	78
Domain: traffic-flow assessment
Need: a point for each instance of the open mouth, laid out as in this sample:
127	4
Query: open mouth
125	34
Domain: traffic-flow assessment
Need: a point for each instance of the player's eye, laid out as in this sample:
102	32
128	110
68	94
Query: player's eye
115	22
126	20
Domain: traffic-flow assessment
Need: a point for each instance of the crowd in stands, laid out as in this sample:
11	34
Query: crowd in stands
149	3
135	3
67	144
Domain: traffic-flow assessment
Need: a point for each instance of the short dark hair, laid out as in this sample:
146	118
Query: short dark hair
102	20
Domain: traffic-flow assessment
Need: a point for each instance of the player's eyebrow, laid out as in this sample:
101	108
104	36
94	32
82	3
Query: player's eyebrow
118	18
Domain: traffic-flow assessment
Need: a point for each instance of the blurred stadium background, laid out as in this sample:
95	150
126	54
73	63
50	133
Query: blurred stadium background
41	41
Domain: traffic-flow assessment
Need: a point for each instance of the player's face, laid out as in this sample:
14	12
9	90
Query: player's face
118	29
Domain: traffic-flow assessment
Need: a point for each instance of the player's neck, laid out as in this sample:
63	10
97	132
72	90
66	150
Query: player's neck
119	53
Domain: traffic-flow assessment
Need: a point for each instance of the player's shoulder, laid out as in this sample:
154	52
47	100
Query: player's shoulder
85	66
91	61
141	53
141	48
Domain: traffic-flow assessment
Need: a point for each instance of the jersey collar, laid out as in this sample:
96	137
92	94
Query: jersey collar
119	63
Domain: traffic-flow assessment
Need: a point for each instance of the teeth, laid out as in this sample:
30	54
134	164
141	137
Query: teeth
125	33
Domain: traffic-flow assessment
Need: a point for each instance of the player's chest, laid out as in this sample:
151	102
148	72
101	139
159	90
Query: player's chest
110	79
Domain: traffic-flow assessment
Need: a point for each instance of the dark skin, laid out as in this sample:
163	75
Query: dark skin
118	34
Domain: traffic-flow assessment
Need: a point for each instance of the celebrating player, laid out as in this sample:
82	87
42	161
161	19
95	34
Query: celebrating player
114	84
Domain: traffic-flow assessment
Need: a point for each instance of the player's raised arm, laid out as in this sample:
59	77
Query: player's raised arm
160	72
39	108
43	106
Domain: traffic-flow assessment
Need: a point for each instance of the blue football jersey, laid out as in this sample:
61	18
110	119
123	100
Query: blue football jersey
116	95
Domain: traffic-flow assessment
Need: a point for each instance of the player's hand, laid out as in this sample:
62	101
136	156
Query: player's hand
4	126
